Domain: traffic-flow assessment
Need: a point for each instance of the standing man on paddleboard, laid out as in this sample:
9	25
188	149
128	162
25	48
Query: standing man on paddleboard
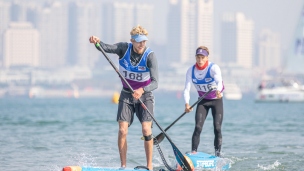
138	64
205	75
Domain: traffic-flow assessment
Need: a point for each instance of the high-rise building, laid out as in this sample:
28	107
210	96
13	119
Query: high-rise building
4	15
18	11
205	25
4	22
84	21
107	11
21	45
237	40
52	23
228	39
123	21
144	16
269	50
127	15
190	24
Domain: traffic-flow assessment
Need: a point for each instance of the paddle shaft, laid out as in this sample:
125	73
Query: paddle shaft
160	136
199	100
144	106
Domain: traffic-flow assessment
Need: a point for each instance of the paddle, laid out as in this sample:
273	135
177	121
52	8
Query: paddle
178	155
161	136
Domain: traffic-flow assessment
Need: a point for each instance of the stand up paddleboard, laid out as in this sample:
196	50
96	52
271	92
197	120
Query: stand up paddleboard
199	160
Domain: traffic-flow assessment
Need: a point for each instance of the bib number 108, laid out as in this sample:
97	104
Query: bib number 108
133	76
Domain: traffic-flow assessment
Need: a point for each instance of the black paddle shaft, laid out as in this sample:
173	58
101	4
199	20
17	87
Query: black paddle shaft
185	165
160	136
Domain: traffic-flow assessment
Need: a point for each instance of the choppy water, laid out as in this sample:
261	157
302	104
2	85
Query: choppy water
48	134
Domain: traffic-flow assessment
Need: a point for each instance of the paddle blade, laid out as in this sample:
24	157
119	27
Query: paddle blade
160	137
179	168
186	165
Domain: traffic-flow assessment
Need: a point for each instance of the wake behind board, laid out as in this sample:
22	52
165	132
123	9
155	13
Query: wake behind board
85	168
203	160
200	160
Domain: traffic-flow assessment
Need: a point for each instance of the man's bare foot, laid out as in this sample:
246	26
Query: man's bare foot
122	167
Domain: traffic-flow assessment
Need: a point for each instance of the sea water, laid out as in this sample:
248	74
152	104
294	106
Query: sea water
49	134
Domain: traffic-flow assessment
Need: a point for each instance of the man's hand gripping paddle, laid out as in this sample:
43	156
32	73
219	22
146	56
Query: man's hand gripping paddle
178	155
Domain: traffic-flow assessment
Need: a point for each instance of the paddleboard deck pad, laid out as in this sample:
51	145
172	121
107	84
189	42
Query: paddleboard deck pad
199	160
202	160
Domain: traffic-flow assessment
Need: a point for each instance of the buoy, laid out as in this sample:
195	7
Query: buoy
115	98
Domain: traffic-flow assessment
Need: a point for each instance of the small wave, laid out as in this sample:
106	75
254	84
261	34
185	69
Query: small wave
270	167
83	159
42	123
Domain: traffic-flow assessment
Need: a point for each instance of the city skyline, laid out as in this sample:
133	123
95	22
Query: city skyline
246	44
161	37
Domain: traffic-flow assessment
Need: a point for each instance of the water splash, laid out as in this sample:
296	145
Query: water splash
270	167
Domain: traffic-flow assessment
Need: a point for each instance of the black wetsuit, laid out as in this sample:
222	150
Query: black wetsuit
216	106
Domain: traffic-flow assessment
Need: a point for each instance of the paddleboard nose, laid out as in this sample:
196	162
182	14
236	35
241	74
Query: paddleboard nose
72	168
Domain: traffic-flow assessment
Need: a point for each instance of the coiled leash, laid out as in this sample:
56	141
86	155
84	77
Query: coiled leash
162	156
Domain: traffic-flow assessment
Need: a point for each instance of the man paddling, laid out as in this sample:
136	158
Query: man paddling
138	64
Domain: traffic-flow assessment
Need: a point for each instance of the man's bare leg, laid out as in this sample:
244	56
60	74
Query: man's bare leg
122	142
147	131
